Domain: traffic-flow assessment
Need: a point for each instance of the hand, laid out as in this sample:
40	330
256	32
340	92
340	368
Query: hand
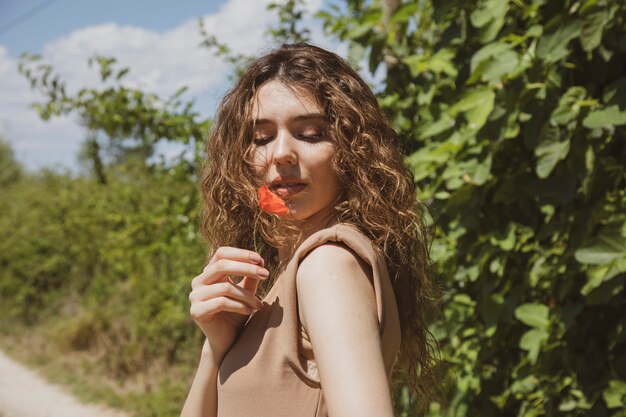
219	306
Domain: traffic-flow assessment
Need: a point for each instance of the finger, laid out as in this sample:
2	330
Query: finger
225	289
205	310
208	276
250	284
220	269
237	254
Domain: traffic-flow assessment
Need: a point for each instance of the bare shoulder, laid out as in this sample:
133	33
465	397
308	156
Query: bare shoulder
333	261
334	278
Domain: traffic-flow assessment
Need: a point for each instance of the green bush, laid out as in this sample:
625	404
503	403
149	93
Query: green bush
513	116
114	261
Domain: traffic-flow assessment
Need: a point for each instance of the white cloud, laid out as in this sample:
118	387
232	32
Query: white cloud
163	62
35	143
160	62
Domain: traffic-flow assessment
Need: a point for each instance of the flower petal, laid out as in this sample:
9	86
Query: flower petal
270	202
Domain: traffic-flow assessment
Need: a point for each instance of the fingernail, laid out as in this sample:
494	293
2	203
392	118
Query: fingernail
254	257
263	272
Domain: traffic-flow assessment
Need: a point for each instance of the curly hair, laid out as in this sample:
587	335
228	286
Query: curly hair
378	189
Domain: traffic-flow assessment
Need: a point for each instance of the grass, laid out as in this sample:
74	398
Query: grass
156	391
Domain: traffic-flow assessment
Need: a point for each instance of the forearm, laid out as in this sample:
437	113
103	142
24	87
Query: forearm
202	398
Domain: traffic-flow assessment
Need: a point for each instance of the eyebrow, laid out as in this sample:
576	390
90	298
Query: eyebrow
308	116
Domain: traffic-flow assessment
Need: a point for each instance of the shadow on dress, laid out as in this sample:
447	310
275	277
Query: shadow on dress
249	341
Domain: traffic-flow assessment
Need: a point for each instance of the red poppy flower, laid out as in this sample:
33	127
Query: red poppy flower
270	202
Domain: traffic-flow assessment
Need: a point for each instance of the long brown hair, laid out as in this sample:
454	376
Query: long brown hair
379	193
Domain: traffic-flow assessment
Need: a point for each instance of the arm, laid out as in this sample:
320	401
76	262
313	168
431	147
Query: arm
337	307
202	397
220	308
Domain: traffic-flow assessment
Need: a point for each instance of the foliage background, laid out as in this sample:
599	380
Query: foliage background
512	117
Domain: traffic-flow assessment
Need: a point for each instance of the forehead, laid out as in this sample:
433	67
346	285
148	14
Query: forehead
276	100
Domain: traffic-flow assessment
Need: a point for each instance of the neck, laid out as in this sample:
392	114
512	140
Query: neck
318	221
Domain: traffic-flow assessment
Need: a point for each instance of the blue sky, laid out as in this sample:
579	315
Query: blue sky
59	17
157	39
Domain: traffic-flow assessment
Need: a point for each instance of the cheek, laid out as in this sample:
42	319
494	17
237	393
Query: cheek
259	159
323	166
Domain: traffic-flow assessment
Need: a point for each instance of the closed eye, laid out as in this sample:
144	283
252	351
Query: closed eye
262	140
312	137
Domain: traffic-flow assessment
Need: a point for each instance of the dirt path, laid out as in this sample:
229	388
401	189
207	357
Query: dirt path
23	393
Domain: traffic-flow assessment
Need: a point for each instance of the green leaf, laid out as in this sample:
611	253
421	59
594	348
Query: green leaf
481	172
537	271
489	18
121	73
593	24
492	62
475	171
440	62
615	93
553	46
433	152
575	400
464	299
356	52
615	394
403	13
488	51
453	176
568	107
525	385
609	116
476	104
607	246
533	315
609	289
531	341
505	239
440	125
361	27
599	274
552	147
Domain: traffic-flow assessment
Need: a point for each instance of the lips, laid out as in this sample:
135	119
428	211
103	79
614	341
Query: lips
286	186
287	189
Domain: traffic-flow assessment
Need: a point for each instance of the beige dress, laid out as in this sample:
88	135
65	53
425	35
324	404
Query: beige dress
270	370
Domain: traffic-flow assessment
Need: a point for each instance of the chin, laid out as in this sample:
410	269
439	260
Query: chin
295	216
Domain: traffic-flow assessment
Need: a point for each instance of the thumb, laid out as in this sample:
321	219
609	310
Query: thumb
250	284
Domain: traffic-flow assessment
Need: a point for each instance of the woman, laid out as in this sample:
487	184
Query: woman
307	198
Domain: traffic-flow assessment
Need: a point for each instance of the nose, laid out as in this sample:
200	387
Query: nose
284	150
